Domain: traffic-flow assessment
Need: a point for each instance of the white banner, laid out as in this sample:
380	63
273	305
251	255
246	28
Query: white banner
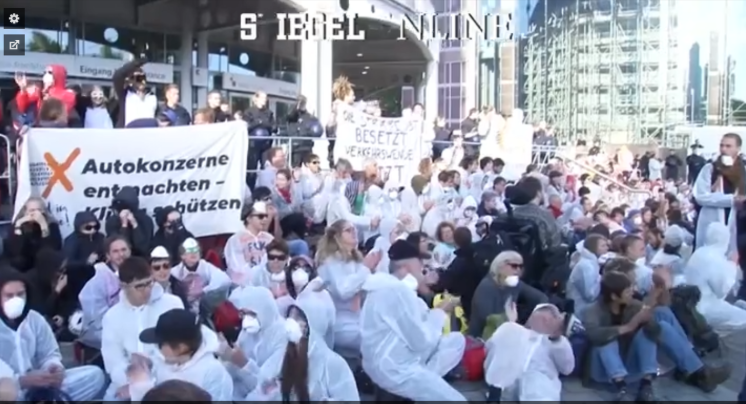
394	143
200	170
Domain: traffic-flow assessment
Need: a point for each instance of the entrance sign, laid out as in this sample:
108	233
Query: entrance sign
394	143
199	170
34	63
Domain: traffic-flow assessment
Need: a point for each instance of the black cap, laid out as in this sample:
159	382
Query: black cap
173	326
403	250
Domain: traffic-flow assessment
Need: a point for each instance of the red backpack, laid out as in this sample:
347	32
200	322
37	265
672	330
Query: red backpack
472	363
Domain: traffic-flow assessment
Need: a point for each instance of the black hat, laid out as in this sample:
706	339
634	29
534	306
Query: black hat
402	250
174	325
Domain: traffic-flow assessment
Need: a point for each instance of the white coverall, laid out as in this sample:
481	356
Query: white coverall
33	346
202	369
329	376
403	346
713	205
715	275
260	347
122	326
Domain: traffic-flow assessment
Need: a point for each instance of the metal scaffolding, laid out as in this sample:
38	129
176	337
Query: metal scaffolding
604	70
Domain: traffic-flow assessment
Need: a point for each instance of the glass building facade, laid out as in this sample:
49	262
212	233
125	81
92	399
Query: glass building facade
61	36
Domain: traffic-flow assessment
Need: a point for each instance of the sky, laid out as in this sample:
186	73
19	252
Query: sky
698	18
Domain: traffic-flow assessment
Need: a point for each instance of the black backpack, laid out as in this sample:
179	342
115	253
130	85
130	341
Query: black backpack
684	300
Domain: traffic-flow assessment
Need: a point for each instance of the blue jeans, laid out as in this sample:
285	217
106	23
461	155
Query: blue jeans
607	364
298	247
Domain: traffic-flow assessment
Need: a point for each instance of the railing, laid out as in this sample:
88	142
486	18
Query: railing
623	187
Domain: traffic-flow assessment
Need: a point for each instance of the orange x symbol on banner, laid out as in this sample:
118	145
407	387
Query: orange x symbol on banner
58	171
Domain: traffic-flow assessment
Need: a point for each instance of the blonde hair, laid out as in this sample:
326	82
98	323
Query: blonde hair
329	245
341	88
502	259
44	211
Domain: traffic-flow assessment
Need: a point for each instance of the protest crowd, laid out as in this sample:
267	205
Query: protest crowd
362	281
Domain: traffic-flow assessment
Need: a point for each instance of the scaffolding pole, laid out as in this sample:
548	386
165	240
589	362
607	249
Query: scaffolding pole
605	70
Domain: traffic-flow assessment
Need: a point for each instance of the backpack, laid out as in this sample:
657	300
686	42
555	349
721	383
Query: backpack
487	249
684	300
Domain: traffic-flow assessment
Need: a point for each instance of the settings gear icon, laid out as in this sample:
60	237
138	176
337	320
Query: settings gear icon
14	19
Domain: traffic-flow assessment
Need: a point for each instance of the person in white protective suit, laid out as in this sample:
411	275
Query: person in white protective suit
538	354
373	210
415	201
102	291
141	303
199	276
8	386
719	190
304	284
405	352
272	275
467	167
391	230
716	274
344	271
466	216
29	347
443	211
309	371
673	254
395	207
584	283
261	339
186	351
339	208
244	250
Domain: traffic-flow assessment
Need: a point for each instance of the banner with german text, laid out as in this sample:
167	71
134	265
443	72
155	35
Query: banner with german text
200	170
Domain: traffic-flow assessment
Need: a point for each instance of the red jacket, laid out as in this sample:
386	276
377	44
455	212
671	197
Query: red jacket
57	90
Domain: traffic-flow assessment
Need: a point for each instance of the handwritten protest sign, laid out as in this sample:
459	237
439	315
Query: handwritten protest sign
394	143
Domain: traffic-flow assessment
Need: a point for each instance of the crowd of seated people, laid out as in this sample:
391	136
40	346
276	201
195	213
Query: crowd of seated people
553	276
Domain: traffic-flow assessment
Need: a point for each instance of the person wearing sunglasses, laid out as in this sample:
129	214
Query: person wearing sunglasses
245	250
501	286
271	275
97	114
54	85
141	303
160	264
311	184
85	246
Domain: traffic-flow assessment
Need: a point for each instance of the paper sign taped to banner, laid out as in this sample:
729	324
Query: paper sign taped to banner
199	170
393	143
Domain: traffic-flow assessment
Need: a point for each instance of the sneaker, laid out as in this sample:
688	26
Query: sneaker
646	394
709	377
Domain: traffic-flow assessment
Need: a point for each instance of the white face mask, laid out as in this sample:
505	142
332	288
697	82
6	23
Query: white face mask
726	160
250	325
637	220
293	330
410	281
13	307
512	281
47	79
277	277
393	194
640	261
300	278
